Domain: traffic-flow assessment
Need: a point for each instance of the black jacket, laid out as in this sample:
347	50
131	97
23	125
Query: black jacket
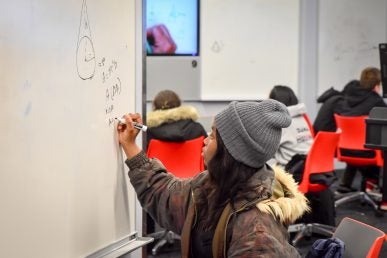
352	101
359	101
175	124
331	101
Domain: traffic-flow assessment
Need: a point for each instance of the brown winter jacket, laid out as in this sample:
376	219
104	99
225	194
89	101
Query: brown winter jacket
258	230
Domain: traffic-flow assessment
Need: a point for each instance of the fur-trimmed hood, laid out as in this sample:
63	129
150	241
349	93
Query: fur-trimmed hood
287	203
158	117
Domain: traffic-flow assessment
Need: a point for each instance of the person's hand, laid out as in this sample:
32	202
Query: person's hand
127	134
160	40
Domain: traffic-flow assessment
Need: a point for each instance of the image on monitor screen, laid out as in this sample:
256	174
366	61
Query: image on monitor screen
172	27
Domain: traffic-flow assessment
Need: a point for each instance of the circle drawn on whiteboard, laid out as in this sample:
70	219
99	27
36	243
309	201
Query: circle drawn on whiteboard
85	50
85	58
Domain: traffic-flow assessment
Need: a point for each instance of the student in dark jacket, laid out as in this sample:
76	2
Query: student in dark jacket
332	101
359	101
171	121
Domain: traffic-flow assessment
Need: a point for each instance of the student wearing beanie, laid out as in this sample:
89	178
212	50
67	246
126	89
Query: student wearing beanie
239	207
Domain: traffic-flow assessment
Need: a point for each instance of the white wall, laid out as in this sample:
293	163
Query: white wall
337	38
349	34
248	47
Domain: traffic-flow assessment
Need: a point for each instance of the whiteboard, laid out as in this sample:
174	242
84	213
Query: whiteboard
350	33
248	47
67	69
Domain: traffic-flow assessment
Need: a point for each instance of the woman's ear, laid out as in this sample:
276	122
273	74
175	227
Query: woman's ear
378	89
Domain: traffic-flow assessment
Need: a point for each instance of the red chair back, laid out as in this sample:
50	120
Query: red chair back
183	159
352	138
320	159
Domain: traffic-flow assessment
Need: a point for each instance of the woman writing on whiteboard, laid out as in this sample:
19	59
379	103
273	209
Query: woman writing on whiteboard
239	206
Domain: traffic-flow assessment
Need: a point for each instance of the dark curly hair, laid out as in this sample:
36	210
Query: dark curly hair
228	179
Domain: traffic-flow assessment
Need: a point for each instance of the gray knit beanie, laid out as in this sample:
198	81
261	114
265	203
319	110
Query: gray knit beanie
251	131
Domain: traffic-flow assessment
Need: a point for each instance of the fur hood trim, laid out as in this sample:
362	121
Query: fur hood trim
287	203
158	117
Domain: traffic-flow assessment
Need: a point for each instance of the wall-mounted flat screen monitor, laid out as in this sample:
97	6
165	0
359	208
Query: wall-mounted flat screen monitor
383	66
172	27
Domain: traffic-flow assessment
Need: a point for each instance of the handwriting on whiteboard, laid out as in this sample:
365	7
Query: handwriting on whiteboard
105	70
85	49
112	85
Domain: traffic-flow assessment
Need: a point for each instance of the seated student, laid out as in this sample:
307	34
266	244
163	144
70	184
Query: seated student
297	138
358	101
332	101
239	207
295	144
170	121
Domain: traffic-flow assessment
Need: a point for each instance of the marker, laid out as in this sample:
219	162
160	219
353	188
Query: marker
135	124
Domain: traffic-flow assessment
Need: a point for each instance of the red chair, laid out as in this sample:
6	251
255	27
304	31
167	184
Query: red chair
184	160
353	133
351	150
319	160
360	239
310	125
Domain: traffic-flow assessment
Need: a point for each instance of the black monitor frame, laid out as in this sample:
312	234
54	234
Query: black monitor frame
383	66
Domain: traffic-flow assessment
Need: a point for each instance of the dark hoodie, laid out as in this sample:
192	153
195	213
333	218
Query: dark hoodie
359	101
332	103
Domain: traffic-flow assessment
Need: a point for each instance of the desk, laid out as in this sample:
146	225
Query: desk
376	138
